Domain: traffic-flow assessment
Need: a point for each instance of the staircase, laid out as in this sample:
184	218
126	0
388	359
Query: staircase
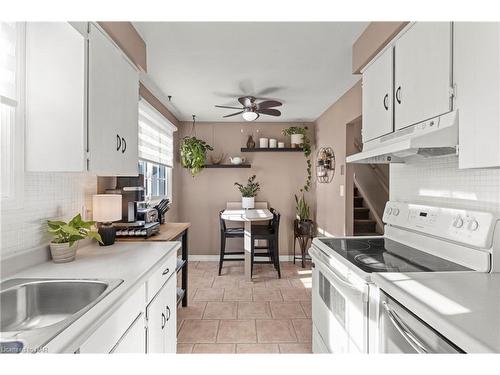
363	224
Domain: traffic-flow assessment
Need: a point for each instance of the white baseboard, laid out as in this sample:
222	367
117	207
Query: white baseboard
215	258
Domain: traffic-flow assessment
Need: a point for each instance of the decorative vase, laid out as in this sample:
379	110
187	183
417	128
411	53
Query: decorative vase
247	202
297	140
250	142
63	252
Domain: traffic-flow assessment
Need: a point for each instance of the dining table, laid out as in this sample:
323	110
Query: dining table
247	216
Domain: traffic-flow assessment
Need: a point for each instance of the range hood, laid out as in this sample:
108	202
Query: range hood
435	137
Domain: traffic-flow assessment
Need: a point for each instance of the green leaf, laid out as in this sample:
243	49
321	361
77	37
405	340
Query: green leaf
95	235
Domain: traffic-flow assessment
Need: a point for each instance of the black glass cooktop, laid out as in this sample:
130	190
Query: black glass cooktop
385	255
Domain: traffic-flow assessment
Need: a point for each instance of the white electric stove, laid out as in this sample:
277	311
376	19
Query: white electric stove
418	238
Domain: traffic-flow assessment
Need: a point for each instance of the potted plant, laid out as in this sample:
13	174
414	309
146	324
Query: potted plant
66	236
299	138
194	154
248	192
303	224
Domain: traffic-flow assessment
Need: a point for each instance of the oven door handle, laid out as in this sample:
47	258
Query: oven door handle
414	342
339	279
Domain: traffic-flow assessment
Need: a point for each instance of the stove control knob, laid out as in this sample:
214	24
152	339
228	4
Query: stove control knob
395	212
473	225
388	211
459	222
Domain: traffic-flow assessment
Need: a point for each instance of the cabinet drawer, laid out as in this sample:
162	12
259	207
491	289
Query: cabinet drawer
161	275
105	338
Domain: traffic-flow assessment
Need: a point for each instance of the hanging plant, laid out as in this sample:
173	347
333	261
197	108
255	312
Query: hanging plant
306	148
194	151
194	154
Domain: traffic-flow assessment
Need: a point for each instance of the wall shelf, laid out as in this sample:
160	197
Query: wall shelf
227	166
286	149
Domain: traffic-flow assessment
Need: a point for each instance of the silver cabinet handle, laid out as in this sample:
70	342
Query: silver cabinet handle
386	104
404	331
398	95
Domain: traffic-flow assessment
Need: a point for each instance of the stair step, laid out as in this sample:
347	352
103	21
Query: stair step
367	234
361	213
364	226
356	192
358	201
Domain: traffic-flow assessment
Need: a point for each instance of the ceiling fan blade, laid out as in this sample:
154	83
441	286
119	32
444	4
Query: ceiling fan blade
269	111
269	90
225	106
233	114
268	104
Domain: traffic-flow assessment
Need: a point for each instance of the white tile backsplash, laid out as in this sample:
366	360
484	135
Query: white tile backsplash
439	181
46	196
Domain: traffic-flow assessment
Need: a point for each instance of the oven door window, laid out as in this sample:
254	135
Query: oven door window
340	312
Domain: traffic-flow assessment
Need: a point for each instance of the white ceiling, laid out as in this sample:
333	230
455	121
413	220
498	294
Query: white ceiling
307	66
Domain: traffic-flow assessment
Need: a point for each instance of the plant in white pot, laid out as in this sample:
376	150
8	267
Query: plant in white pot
66	236
248	192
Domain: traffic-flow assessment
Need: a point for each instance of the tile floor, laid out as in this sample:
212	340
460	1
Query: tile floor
227	314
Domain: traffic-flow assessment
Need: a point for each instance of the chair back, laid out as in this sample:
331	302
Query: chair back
222	222
275	221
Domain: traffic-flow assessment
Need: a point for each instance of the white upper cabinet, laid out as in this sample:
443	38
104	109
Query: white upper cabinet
82	98
55	97
423	73
378	97
113	109
477	77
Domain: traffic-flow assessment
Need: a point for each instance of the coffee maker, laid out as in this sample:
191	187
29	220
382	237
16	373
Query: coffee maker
132	191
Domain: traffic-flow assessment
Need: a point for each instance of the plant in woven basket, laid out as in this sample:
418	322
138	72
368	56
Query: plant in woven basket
194	154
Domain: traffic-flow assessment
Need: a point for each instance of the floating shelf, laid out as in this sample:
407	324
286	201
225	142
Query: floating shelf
286	149
227	166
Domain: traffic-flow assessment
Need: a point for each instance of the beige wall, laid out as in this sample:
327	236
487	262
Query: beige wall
128	39
331	131
200	198
371	41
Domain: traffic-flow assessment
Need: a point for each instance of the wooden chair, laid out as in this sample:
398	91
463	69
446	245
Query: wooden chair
270	233
225	233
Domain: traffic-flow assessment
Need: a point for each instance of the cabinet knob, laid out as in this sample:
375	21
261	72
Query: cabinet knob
386	104
124	145
167	270
118	142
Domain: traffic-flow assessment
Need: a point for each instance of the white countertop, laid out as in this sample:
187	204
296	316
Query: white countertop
462	306
132	262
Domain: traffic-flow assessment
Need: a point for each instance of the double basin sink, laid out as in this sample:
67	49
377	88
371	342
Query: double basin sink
34	311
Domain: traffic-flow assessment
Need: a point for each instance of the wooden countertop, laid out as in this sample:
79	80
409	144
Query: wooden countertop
168	232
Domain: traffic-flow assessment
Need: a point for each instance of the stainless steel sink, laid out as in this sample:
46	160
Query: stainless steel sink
34	311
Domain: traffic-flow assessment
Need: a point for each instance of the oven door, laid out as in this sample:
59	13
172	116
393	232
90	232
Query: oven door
403	332
339	309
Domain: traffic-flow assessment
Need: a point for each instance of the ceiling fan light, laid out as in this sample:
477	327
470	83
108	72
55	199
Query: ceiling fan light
250	115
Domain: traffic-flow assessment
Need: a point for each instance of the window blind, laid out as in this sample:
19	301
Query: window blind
8	63
156	141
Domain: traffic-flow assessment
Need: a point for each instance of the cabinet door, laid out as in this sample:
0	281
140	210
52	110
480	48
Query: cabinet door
378	97
156	322
171	313
134	339
477	76
113	109
55	98
422	73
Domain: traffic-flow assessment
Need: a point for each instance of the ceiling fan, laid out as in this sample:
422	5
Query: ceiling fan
252	109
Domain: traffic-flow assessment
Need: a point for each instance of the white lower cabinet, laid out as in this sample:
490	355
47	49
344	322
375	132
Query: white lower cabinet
161	320
133	339
146	322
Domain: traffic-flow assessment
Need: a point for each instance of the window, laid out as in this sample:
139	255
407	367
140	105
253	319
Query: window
11	109
156	151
